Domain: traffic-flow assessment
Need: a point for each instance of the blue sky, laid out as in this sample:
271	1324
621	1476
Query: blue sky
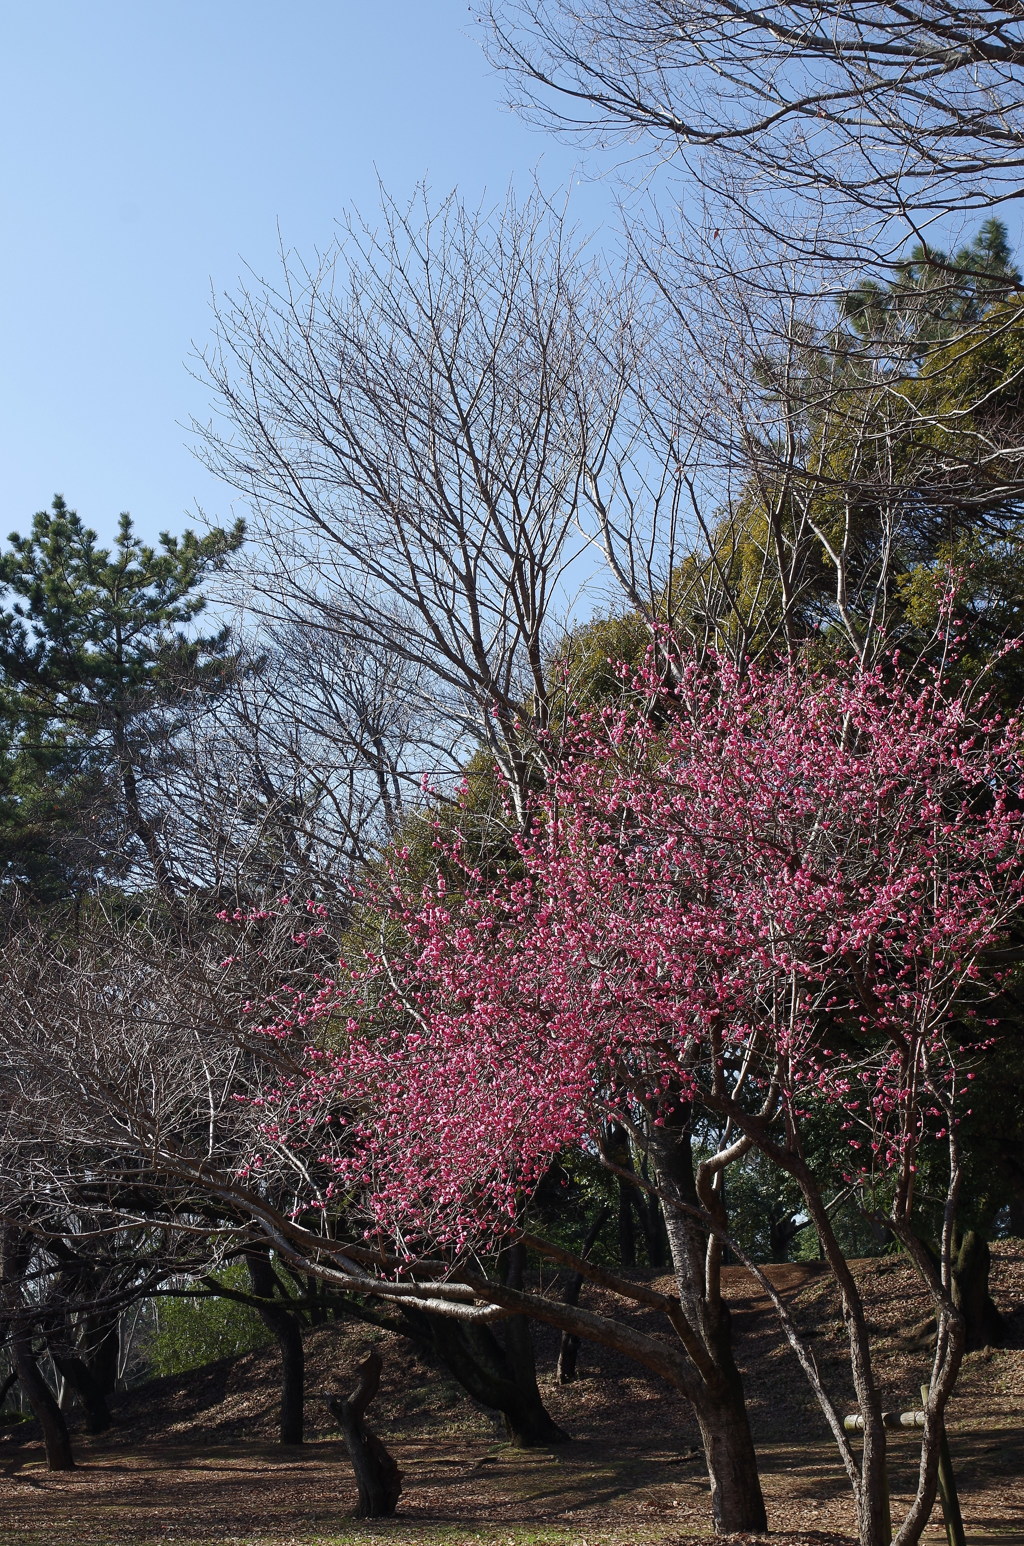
151	151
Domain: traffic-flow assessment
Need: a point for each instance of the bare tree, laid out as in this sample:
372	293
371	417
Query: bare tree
414	423
896	115
301	768
836	456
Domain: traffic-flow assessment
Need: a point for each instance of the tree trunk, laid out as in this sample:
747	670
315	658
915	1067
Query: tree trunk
56	1439
87	1388
16	1254
627	1226
983	1324
499	1375
568	1355
737	1503
569	1346
100	1342
378	1479
286	1328
502	1378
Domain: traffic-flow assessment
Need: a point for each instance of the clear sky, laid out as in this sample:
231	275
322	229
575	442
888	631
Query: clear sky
151	151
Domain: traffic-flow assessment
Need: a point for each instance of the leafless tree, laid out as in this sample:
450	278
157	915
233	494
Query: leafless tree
898	116
420	425
828	453
299	770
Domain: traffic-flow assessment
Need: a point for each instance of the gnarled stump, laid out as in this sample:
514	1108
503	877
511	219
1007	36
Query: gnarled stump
377	1476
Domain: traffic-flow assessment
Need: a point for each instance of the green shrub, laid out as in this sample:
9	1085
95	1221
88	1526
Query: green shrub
190	1332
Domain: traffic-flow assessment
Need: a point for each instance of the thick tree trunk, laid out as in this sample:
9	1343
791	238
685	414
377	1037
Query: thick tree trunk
87	1388
984	1326
378	1479
286	1328
101	1349
737	1503
501	1375
15	1253
502	1378
56	1439
293	1381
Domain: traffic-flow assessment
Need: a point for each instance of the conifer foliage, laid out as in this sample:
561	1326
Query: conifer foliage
97	659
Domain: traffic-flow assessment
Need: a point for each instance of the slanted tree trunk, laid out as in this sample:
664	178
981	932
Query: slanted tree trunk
378	1479
56	1439
16	1254
285	1326
500	1377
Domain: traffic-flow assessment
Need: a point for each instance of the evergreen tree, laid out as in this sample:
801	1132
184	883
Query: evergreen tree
98	661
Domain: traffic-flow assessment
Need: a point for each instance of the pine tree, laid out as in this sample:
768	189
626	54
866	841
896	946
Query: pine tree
98	662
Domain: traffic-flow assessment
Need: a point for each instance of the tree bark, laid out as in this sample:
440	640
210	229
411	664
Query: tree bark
56	1439
502	1378
101	1348
86	1387
569	1346
737	1502
286	1328
16	1254
568	1356
984	1326
378	1479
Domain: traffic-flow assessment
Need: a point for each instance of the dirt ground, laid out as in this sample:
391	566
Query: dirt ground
192	1460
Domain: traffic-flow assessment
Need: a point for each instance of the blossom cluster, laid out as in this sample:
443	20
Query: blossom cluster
788	879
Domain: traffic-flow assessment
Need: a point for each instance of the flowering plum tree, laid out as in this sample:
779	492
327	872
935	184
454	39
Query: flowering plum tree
747	899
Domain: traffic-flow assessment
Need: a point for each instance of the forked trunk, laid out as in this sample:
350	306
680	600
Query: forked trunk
737	1503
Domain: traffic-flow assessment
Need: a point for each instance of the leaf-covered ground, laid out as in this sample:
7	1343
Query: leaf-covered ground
192	1458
